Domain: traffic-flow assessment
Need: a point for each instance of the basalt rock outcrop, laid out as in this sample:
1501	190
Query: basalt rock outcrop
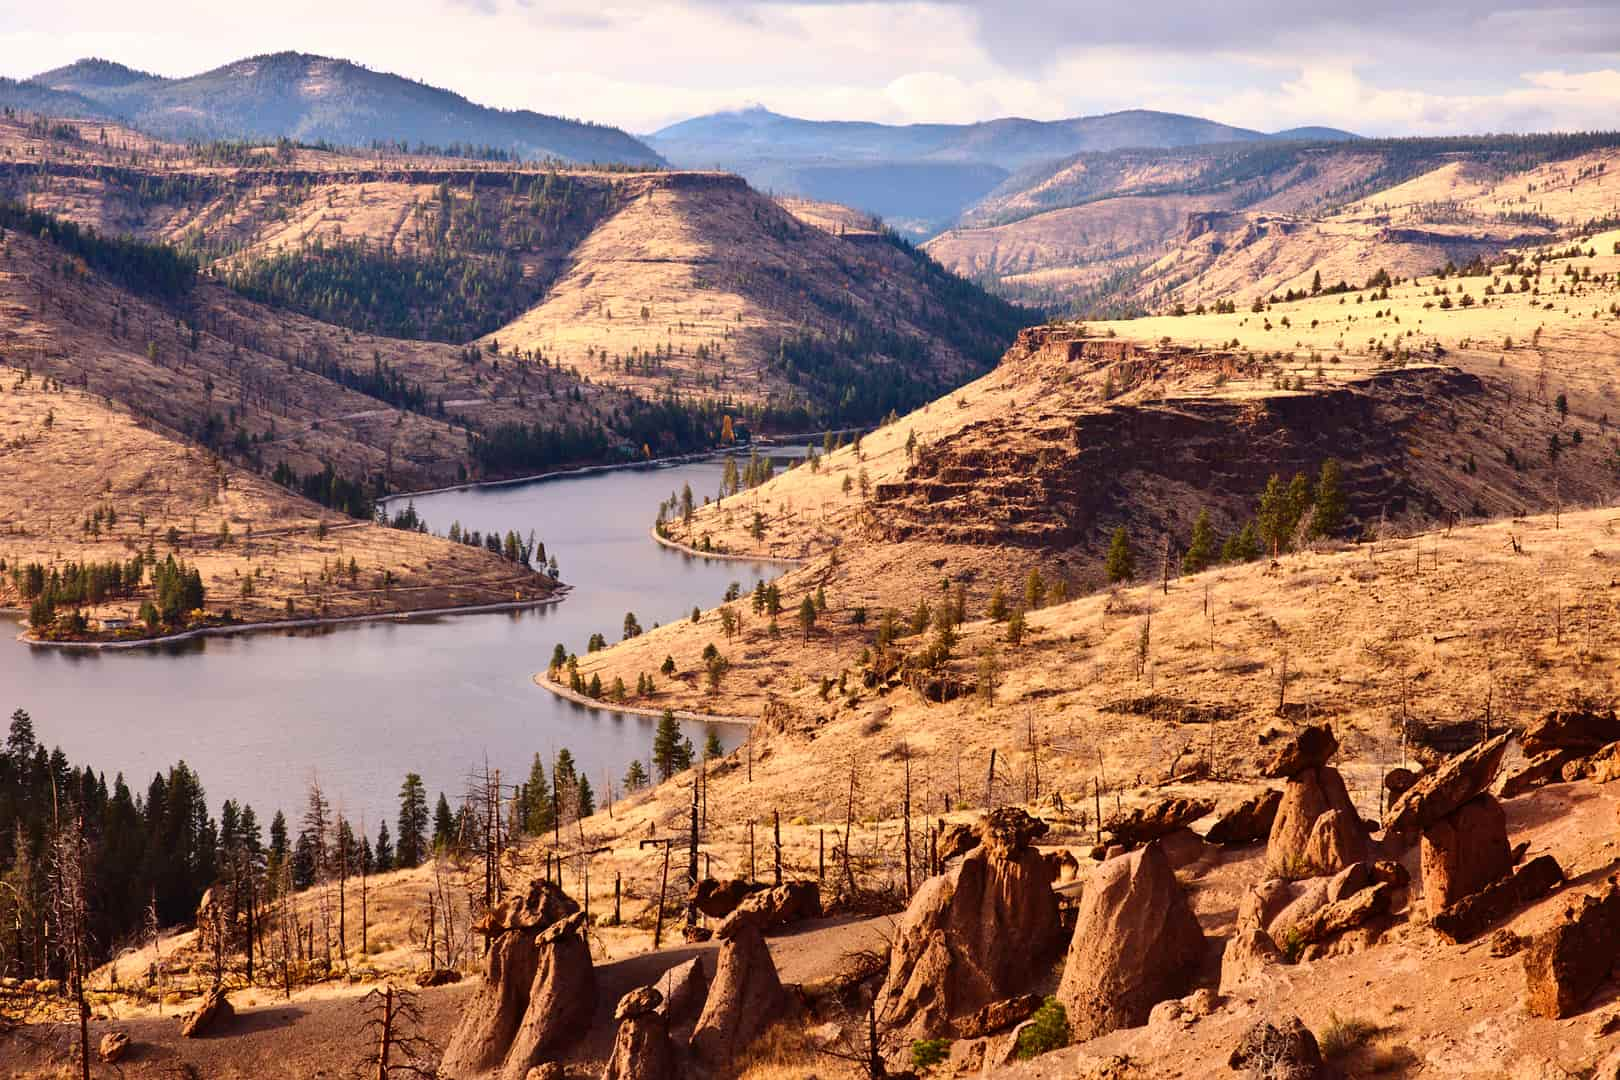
1247	822
1442	790
1136	943
717	899
537	991
1472	915
745	998
1155	820
641	1049
1565	964
1309	748
973	935
1464	851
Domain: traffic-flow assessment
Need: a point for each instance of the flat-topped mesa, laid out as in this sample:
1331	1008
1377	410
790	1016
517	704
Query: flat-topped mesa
1145	437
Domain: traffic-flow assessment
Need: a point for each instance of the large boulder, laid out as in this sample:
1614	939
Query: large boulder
561	998
209	1016
717	899
1155	820
641	1048
114	1045
745	998
1464	851
491	1018
770	909
972	935
1136	943
1247	957
1271	1052
1308	795
1261	903
1601	767
1246	822
1442	790
1333	919
954	838
1564	964
1310	747
1582	729
1474	914
1537	771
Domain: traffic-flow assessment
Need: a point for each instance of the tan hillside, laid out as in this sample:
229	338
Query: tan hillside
257	381
67	458
686	283
1182	237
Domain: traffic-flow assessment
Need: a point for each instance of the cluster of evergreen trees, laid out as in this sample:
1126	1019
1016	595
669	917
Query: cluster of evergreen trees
358	500
148	856
1286	515
150	269
176	588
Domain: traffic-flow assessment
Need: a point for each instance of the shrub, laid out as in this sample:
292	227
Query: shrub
926	1053
1048	1030
1341	1036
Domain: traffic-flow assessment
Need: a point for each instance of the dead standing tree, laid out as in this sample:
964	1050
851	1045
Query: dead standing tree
393	1030
71	909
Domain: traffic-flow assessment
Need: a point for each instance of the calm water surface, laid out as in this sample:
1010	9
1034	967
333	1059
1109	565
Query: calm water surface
359	705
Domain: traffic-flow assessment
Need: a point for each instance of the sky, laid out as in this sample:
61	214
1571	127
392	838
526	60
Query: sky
1377	67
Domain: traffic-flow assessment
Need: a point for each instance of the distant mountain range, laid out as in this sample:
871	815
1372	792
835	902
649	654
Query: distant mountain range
313	98
924	173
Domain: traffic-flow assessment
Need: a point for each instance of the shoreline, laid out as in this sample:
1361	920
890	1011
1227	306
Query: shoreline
589	470
676	545
541	680
295	624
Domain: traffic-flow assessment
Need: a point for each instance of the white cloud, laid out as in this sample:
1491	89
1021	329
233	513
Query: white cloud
641	65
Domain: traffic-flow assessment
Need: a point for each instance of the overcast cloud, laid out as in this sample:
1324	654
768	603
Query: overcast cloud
1373	66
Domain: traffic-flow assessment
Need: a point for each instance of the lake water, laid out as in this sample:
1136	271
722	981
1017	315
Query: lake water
358	705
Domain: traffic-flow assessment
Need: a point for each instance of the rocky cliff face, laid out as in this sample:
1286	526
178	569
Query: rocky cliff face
1120	433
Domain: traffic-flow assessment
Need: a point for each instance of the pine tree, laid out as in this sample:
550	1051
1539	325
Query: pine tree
585	804
1271	520
536	798
998	604
635	777
1034	591
1201	551
411	846
1242	546
807	617
444	825
1121	564
1327	517
666	751
711	745
383	855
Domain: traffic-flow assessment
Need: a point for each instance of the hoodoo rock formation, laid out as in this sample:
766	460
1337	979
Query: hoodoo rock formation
1136	943
1317	829
973	935
537	991
641	1049
745	998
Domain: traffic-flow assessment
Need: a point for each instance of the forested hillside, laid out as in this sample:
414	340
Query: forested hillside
317	98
